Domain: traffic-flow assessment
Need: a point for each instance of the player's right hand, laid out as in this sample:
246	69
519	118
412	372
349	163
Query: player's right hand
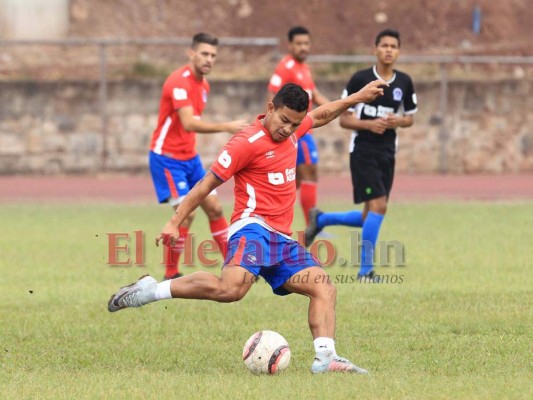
237	126
372	91
169	235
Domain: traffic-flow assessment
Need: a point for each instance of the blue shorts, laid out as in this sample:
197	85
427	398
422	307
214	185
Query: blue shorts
268	254
307	152
174	178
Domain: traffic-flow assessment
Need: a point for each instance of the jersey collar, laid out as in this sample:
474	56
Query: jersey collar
260	125
188	68
375	70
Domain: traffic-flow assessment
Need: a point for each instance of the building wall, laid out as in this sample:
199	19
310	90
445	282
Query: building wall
51	128
34	19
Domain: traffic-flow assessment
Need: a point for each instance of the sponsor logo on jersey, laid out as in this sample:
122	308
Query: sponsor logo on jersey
397	94
204	96
269	154
290	173
179	94
377	112
275	80
252	259
182	185
277	178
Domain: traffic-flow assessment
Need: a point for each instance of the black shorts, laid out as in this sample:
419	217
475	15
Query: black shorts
372	174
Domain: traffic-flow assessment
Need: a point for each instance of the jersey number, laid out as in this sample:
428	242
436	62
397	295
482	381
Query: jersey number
224	159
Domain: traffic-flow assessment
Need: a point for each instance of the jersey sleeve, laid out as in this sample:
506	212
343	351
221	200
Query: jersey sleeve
179	92
305	126
280	77
409	101
233	157
353	86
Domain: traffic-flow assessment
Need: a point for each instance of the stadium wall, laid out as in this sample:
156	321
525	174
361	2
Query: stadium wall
57	128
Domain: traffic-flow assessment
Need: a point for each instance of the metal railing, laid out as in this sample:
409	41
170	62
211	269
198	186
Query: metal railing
421	59
103	44
443	61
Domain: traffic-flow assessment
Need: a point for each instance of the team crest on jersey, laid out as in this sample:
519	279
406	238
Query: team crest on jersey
204	96
397	94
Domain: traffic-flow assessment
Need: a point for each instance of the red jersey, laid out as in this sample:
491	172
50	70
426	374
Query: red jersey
290	70
264	173
181	89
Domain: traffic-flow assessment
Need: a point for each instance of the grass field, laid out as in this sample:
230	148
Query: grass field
458	326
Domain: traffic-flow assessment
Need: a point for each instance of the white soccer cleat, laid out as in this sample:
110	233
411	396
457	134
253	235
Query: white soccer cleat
335	364
135	295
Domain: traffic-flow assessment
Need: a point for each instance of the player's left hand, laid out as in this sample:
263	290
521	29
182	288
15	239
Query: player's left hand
393	121
236	126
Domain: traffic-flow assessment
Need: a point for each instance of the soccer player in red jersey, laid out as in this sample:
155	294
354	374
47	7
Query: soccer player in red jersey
293	69
174	162
261	159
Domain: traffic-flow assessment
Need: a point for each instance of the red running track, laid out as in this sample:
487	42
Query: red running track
134	189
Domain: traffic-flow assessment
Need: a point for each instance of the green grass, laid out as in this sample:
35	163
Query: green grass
458	326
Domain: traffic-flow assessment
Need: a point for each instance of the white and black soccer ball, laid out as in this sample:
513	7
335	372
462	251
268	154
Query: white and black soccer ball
266	352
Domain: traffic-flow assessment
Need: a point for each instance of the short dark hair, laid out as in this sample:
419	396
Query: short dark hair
292	96
203	38
297	30
388	32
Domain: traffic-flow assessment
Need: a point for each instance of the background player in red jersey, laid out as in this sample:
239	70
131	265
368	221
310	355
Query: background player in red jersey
293	69
261	158
174	162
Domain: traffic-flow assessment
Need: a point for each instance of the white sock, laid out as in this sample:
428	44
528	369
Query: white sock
162	290
324	344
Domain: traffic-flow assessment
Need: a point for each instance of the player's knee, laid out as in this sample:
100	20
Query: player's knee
215	212
313	173
382	209
331	291
379	206
327	290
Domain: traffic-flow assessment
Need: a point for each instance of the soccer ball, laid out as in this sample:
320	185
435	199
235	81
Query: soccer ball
266	352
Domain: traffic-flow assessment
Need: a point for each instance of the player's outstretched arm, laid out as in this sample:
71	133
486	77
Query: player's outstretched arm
169	234
194	124
328	112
